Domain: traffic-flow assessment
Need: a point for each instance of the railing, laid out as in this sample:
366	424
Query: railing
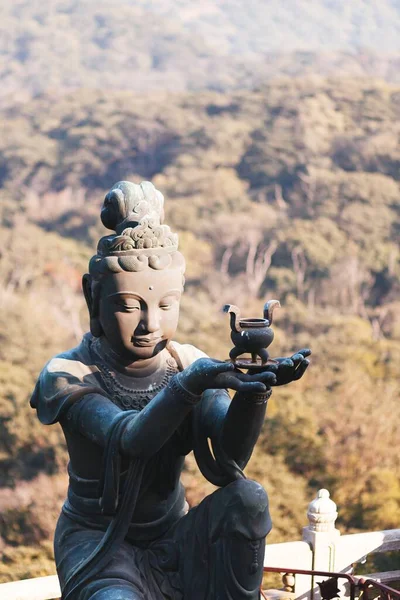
330	586
331	552
321	551
381	590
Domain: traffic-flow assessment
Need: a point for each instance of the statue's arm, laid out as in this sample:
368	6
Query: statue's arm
144	432
242	425
244	419
234	426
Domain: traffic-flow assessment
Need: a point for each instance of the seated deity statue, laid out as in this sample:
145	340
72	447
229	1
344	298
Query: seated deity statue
132	404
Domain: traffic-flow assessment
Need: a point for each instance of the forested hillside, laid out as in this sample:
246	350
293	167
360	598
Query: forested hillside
141	45
290	191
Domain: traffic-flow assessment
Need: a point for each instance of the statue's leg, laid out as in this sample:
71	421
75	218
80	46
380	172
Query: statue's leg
222	543
241	524
120	579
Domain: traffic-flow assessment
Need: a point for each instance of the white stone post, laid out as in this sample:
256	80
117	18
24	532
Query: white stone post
322	535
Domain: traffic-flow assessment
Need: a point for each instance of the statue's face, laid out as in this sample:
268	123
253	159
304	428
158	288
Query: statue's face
139	312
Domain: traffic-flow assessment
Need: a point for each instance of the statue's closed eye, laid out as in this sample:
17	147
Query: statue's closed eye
129	306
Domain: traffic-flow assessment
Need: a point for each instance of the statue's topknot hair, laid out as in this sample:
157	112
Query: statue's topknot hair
127	204
135	212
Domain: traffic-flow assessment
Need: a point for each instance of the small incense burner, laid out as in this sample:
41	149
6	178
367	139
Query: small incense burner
251	336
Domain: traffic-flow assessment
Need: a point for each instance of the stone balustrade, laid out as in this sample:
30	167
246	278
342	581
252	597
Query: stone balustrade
323	548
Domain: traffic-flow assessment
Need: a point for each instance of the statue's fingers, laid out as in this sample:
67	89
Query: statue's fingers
265	377
268	368
297	359
301	369
242	376
225	380
220	367
286	363
277	361
255	387
305	352
255	376
259	376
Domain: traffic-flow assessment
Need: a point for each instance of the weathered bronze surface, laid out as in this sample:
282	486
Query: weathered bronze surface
132	403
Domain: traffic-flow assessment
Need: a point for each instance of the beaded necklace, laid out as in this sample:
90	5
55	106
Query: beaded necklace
123	396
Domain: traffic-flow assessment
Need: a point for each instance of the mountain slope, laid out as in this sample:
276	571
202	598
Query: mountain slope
61	45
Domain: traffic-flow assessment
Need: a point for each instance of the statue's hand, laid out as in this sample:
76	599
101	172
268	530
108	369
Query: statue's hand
207	374
289	369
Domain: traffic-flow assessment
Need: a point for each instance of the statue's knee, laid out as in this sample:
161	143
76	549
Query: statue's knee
116	593
247	509
109	589
249	495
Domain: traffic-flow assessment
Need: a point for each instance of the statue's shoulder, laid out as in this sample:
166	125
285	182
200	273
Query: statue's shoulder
76	362
185	354
64	379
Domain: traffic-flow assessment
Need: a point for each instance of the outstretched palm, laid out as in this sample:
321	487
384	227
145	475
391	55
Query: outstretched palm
287	369
206	373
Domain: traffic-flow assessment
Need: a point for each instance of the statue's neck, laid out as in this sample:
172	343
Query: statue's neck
138	368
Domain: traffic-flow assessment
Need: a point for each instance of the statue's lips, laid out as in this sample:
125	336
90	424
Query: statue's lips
144	342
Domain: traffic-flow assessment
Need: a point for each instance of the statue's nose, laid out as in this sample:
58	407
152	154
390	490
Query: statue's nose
151	321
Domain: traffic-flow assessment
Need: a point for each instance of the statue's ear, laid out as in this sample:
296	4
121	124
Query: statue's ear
95	327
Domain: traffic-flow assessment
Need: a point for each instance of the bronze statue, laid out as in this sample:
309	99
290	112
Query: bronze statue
132	403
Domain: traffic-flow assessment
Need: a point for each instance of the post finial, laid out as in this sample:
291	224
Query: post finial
322	512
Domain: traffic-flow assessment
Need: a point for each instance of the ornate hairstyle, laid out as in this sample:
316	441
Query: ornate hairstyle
135	212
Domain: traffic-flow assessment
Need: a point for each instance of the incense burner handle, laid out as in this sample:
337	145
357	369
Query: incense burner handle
269	308
234	311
